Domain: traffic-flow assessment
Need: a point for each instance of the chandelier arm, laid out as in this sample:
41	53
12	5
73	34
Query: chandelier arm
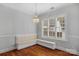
35	18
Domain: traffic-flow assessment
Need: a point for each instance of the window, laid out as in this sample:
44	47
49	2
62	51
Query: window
60	27
53	28
45	28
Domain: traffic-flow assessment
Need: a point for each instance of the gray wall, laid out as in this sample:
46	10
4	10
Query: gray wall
7	32
24	24
13	22
71	13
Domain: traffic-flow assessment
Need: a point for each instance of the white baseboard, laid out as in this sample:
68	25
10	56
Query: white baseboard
72	51
7	49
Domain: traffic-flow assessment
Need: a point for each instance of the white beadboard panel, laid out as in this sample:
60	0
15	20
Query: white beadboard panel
73	51
75	42
6	41
23	41
8	49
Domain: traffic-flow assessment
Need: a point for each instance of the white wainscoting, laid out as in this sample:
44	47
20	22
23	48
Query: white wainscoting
74	42
7	43
23	41
73	51
74	36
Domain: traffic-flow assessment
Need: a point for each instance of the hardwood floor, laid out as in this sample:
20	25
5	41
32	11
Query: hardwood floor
36	50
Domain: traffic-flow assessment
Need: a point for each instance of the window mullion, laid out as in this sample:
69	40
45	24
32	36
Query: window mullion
48	27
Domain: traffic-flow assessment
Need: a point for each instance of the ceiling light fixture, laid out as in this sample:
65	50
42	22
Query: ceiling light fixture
35	17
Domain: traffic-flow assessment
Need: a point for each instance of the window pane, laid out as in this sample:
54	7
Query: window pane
61	34
51	23
58	34
45	29
63	29
45	33
61	19
45	22
52	28
51	33
58	29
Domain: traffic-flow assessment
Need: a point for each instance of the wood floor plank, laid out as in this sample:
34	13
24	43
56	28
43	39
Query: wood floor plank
36	50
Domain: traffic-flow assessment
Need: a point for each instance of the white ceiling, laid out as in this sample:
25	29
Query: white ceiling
29	8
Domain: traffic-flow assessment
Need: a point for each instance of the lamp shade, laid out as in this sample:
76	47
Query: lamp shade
35	19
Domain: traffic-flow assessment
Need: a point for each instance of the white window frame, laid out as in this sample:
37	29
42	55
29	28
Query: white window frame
48	30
